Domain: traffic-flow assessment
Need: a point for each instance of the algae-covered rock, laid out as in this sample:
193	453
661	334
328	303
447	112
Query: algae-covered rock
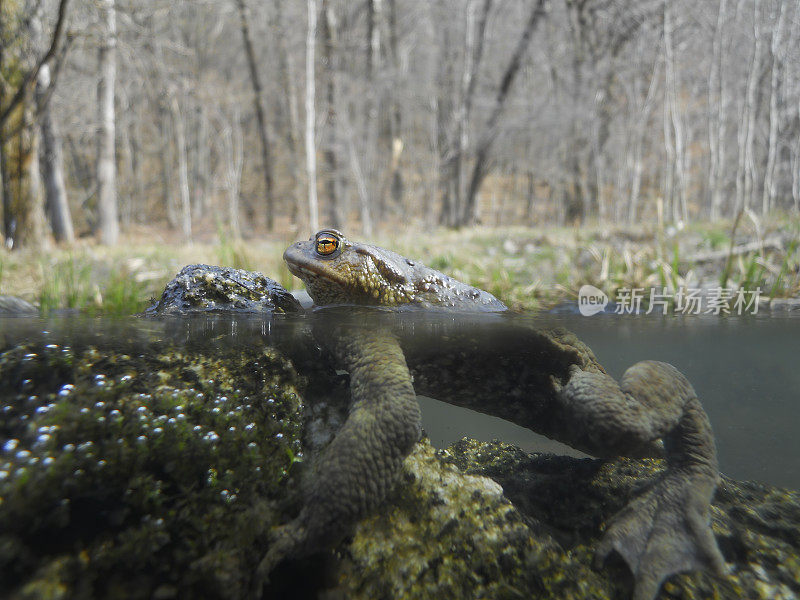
757	526
200	288
141	472
447	534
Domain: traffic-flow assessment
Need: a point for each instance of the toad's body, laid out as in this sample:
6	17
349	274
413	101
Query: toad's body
353	273
563	395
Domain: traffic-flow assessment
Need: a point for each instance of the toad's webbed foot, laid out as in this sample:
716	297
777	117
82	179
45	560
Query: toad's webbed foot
667	529
664	531
358	469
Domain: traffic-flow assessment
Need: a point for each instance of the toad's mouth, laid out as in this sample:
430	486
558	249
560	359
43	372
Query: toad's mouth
310	269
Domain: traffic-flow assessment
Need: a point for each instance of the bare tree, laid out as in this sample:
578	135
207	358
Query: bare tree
290	124
24	222
475	33
717	103
745	165
605	108
233	155
51	164
107	211
334	213
489	132
266	161
183	169
770	188
311	115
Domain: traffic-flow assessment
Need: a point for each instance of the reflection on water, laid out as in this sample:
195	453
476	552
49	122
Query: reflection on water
745	370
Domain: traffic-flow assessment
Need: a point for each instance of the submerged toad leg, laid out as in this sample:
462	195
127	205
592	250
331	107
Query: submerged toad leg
667	529
357	470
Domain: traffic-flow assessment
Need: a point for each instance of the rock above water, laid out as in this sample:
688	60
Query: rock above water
199	288
11	305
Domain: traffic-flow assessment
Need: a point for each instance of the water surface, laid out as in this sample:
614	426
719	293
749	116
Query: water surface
746	370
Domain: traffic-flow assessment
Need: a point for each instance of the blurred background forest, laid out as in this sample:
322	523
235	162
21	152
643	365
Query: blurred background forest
193	120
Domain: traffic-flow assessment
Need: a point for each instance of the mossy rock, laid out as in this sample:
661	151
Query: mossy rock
207	288
142	473
569	499
447	534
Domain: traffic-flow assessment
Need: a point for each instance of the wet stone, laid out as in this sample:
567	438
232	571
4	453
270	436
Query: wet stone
207	288
135	487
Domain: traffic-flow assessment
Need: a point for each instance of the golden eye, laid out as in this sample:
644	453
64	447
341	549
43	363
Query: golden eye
327	244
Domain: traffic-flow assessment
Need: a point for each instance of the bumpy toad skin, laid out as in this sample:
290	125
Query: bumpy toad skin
664	531
355	273
359	467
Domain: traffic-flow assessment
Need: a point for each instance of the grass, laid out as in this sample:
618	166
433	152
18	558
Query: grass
526	268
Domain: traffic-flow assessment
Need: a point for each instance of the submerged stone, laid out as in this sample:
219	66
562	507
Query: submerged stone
141	472
448	534
570	500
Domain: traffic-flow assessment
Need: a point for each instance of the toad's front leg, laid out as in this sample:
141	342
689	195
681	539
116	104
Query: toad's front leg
667	529
359	467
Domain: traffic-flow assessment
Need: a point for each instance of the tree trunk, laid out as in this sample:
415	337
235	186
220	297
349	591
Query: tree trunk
673	127
183	171
311	115
375	202
716	111
770	192
473	51
530	198
443	113
233	156
201	163
334	213
796	171
167	169
395	176
263	134
637	150
23	201
490	131
286	77
51	163
747	121
24	223
107	217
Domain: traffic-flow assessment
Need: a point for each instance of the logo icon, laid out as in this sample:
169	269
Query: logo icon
591	300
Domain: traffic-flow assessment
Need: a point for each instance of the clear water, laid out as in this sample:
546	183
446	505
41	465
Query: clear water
746	372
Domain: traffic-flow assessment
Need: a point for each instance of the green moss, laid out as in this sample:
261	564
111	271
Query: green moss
757	526
130	474
450	535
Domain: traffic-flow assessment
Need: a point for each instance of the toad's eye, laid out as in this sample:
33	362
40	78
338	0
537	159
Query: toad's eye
327	244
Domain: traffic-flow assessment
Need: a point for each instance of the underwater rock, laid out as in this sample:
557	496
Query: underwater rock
142	472
569	500
448	534
208	288
158	472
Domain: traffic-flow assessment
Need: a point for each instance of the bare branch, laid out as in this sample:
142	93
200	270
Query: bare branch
31	76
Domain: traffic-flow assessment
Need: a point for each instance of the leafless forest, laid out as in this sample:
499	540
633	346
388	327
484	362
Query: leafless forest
238	116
